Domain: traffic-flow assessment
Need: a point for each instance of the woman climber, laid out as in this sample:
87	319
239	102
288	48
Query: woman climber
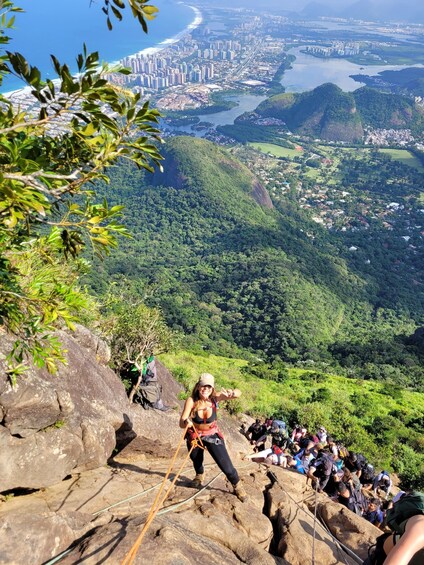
199	414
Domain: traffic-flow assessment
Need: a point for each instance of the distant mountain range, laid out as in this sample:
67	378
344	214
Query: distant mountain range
329	113
374	10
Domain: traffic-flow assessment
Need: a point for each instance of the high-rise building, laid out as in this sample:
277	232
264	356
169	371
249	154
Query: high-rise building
211	71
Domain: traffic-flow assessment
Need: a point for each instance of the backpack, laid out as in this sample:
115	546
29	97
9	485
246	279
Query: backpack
409	505
279	433
280	425
368	473
357	501
148	376
276	450
343	452
325	465
362	460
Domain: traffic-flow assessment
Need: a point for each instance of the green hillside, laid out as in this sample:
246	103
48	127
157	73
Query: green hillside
325	112
329	113
382	422
381	110
239	277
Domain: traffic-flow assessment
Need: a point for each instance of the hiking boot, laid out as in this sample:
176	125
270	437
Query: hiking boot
159	405
240	492
198	480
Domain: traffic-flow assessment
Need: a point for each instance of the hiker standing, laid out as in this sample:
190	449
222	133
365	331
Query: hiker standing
199	413
149	391
322	435
320	469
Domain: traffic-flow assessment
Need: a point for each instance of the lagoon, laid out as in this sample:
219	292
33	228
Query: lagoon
308	72
245	103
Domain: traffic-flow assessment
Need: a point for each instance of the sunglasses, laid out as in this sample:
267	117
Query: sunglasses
205	386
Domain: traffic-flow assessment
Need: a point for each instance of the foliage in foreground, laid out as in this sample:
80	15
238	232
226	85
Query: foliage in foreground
50	155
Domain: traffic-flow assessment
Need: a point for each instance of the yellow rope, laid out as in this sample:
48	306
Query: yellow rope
197	442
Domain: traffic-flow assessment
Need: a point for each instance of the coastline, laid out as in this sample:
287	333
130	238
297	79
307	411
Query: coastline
148	51
198	18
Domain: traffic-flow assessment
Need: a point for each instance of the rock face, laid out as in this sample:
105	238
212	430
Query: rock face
106	508
94	513
58	424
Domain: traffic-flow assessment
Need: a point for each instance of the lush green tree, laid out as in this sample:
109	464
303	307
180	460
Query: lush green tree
133	330
49	157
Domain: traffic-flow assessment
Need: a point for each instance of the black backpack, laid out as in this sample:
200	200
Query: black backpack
361	460
357	502
368	473
409	505
325	464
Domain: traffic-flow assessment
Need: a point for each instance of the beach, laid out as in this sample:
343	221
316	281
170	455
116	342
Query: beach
167	42
63	27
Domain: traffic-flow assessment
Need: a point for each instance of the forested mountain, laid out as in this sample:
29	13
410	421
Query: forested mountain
408	81
236	274
331	114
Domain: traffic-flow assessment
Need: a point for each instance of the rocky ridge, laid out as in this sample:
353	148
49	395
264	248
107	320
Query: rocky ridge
94	505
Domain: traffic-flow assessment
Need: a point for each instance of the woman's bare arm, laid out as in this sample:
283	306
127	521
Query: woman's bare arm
408	545
228	394
185	414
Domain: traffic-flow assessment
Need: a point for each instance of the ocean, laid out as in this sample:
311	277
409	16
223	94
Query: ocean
61	27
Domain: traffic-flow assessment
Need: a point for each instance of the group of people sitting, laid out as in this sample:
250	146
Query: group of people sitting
345	476
349	479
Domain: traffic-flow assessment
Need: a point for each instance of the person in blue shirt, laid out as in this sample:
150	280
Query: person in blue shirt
374	513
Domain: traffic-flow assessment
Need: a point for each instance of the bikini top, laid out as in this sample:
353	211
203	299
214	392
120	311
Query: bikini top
203	420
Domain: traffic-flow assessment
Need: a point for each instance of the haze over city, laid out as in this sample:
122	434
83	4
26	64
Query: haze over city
410	10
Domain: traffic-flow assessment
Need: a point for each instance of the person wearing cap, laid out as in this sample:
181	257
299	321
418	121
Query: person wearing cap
199	414
322	435
383	482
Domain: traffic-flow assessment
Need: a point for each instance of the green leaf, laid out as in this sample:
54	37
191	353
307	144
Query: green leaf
116	13
95	220
150	10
